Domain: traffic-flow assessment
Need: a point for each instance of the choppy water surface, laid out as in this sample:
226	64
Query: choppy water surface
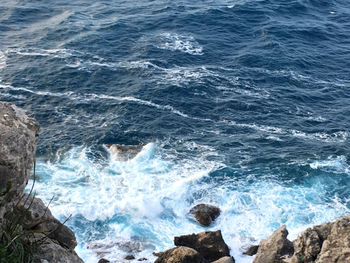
243	104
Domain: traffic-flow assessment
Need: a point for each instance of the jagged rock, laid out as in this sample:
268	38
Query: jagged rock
37	216
275	247
205	213
18	137
47	249
336	248
180	255
251	251
209	244
124	152
225	260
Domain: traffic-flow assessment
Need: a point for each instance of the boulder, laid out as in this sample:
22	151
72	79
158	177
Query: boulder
275	248
36	216
251	251
124	152
205	214
209	244
225	260
180	255
102	260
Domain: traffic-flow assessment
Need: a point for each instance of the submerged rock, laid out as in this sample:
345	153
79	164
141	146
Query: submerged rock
124	152
275	248
205	213
180	255
209	244
103	260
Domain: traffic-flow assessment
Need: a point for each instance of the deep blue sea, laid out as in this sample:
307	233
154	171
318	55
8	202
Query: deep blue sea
244	104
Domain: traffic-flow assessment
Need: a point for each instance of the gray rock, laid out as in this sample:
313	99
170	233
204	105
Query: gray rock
275	248
180	255
37	216
124	152
49	250
225	260
209	244
205	214
18	137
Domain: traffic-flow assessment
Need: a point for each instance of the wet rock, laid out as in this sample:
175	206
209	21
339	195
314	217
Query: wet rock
103	260
129	257
142	259
205	214
36	216
209	244
225	260
181	255
124	152
251	251
275	248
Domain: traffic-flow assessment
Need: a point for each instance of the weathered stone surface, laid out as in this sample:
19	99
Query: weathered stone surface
37	216
336	248
209	244
274	248
251	251
18	137
47	249
180	255
124	152
225	260
205	214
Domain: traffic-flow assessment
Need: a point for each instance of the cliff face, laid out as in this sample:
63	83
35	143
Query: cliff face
26	225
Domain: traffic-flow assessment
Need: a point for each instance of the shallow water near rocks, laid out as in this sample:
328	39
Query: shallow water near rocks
241	104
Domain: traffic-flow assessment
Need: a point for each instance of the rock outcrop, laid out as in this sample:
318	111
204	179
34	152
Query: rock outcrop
24	220
205	214
326	243
181	255
209	244
18	137
275	248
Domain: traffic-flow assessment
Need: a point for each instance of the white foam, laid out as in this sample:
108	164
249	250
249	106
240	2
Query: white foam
153	192
2	60
183	43
56	53
335	164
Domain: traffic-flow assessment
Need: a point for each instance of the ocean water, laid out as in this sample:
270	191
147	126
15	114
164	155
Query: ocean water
244	104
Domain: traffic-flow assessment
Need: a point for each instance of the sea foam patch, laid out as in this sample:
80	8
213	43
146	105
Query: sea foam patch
177	42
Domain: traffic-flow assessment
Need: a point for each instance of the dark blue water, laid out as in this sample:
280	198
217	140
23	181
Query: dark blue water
244	104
